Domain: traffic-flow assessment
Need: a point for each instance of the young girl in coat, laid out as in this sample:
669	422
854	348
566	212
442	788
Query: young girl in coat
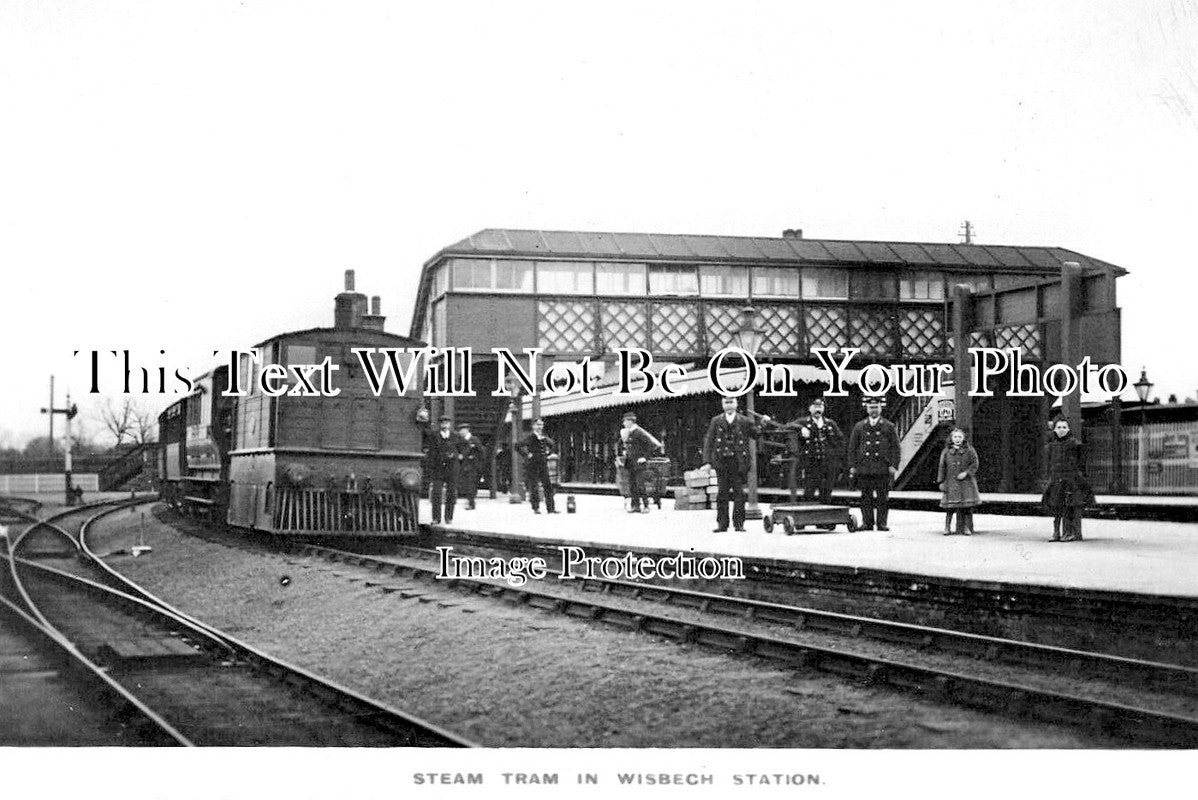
958	466
1068	490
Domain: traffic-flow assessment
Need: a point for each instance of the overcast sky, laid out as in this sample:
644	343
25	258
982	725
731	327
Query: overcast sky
194	178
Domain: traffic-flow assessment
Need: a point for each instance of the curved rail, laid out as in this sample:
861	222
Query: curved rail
386	716
154	729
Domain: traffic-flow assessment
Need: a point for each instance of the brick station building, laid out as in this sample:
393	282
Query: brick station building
680	297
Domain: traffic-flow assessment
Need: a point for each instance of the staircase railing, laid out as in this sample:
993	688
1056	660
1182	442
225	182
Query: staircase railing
917	421
121	469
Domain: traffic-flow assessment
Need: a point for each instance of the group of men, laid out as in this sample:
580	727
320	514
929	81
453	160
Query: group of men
872	454
452	463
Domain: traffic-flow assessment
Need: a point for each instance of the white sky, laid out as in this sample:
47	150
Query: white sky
197	177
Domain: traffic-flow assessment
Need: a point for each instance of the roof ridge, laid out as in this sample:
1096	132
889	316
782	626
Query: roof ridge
540	231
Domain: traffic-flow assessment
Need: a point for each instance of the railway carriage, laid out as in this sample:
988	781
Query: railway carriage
193	445
301	463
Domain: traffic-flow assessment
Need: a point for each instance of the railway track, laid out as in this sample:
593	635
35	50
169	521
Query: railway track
205	686
605	601
61	698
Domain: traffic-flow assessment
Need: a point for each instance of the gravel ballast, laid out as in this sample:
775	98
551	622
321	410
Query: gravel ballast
511	676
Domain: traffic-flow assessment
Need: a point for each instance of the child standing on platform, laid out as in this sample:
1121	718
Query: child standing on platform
958	468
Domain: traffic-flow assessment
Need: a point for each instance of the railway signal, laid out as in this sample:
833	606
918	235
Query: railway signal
70	411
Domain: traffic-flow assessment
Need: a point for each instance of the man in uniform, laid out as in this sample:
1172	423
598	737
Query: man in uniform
727	447
441	459
472	458
821	451
639	446
536	448
873	462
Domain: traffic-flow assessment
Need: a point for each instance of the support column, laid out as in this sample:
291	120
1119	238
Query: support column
1071	404
962	376
1117	484
1006	423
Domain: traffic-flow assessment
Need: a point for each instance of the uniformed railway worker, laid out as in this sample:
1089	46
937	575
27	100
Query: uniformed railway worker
873	456
536	448
441	460
639	446
727	446
473	457
821	452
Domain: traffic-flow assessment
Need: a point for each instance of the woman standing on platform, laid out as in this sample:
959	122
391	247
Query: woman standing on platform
958	468
1068	490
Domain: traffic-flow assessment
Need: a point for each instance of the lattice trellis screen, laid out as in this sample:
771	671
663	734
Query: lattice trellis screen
873	332
827	326
921	331
722	323
624	325
976	339
675	328
1025	337
781	330
566	326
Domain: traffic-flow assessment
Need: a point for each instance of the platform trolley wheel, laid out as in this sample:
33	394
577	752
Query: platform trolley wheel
852	524
767	522
788	526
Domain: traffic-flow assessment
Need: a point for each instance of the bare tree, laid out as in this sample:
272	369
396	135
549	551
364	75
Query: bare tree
145	425
127	421
117	418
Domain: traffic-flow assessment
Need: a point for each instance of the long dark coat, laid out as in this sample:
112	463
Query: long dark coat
441	457
1067	484
821	445
874	449
730	440
958	493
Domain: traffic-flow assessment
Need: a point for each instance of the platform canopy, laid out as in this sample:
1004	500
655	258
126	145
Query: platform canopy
695	381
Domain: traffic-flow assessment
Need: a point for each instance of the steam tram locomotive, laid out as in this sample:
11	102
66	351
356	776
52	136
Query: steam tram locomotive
301	465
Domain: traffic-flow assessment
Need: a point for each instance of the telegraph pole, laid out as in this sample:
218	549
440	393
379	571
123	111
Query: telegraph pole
966	232
69	411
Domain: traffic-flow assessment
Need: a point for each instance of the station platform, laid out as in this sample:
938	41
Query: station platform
1134	557
1168	508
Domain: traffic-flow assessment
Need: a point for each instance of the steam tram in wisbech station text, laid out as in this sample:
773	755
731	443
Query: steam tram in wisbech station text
300	465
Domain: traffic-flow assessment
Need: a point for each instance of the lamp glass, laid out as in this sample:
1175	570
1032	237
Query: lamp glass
1143	386
748	336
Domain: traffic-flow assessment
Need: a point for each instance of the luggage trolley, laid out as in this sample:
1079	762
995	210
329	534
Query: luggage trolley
794	516
657	475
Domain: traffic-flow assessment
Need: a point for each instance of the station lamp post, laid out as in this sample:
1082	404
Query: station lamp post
748	338
1143	389
516	492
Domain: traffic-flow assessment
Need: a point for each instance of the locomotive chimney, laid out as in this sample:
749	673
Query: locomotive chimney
349	306
375	319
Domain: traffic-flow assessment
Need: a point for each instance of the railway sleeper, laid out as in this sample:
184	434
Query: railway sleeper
628	620
720	640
